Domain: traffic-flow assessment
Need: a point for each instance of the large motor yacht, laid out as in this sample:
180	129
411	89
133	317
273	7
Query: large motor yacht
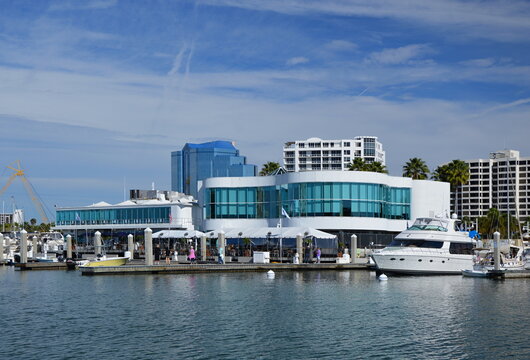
429	246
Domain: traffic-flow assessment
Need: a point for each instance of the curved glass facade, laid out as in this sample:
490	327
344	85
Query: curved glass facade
309	199
134	215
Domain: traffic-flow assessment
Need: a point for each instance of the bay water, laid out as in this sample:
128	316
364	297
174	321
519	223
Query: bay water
296	315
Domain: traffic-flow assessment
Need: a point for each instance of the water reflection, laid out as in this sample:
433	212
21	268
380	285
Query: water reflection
318	314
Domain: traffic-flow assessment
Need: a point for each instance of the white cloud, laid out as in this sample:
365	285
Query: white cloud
399	55
297	60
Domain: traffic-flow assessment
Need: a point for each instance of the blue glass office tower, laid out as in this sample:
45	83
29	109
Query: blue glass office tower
197	162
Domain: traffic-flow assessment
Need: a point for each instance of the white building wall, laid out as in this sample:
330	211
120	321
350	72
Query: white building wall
427	198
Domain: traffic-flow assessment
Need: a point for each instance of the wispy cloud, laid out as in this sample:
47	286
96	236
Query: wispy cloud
499	20
297	60
399	55
82	5
341	45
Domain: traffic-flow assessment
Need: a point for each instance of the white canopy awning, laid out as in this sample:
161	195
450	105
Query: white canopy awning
177	234
273	232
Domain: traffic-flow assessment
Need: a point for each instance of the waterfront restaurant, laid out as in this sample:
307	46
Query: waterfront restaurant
374	206
158	210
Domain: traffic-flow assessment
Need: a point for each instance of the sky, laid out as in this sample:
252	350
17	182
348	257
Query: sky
95	94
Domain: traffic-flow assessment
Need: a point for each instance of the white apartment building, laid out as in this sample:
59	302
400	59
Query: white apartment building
502	181
317	154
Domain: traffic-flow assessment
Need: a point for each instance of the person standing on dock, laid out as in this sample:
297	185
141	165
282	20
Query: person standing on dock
319	252
168	256
157	254
192	255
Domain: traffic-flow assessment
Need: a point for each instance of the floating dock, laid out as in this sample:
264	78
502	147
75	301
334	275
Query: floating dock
209	268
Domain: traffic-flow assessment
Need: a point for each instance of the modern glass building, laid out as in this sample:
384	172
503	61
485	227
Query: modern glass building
332	201
196	162
309	199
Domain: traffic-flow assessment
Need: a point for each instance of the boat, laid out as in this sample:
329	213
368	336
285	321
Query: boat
512	259
431	246
106	261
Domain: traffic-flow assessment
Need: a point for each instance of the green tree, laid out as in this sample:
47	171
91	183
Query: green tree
376	166
269	168
357	164
416	168
440	173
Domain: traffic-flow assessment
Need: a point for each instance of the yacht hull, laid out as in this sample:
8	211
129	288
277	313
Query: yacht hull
422	264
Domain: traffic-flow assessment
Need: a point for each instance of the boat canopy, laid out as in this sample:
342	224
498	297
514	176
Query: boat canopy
271	232
177	234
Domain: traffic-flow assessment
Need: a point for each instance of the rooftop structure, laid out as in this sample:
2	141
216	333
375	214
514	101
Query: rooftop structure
317	154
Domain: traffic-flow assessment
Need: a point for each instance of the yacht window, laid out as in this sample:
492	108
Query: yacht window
429	224
417	243
461	248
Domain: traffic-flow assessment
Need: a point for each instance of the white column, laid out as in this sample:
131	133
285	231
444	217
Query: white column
203	248
68	246
148	239
97	243
34	247
1	247
23	246
353	248
496	250
130	245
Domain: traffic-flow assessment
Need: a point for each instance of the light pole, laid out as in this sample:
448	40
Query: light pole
493	156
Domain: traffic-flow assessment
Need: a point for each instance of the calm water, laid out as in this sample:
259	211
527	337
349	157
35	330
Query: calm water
314	315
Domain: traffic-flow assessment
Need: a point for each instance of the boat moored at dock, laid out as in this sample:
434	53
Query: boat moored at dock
431	246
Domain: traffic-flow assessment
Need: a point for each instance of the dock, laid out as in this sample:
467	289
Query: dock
213	268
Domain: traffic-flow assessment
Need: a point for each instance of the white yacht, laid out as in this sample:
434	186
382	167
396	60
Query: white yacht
429	246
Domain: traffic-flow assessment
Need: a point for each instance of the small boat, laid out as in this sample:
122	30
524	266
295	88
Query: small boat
106	261
483	264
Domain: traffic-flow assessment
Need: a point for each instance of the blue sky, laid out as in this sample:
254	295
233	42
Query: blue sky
95	94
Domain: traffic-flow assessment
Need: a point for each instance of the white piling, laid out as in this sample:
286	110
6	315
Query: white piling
221	245
203	248
353	247
1	247
68	246
299	245
496	250
148	238
97	243
130	246
34	245
23	246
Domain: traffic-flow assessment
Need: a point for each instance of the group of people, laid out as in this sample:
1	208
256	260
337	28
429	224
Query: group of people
167	253
317	253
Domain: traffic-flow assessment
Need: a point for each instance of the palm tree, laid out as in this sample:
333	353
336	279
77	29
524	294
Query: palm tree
440	173
416	168
358	164
457	175
269	168
376	166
